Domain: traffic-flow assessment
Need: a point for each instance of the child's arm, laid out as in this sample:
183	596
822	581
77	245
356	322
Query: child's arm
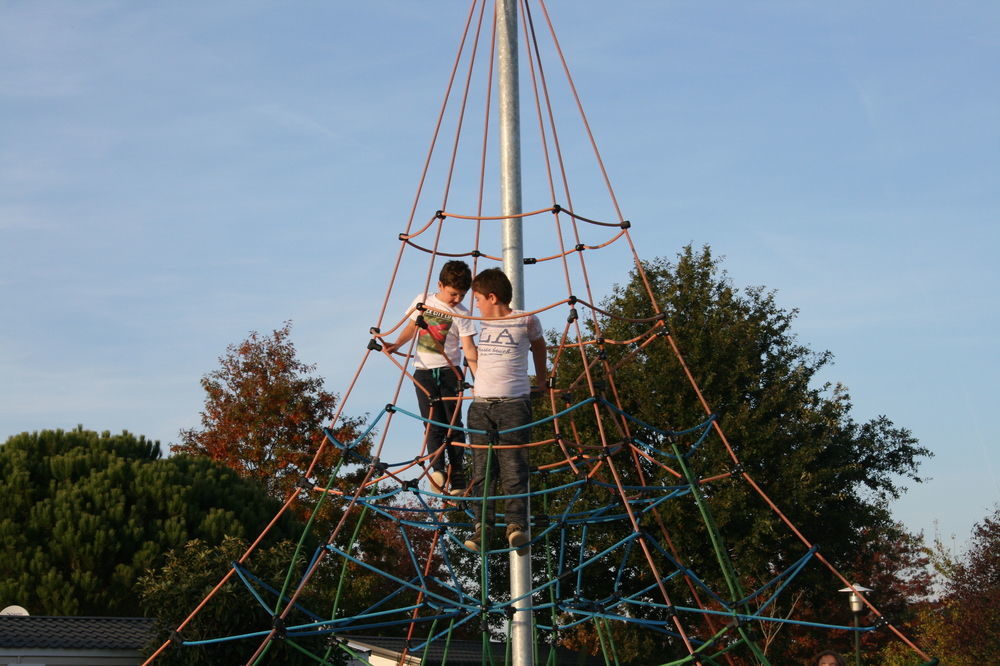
539	356
404	337
471	353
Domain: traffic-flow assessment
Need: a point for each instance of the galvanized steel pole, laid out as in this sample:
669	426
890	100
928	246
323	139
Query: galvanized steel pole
510	147
522	644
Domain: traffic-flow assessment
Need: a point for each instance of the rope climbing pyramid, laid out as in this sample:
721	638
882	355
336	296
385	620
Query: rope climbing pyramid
607	481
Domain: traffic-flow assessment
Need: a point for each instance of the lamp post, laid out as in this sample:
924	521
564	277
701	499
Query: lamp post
857	605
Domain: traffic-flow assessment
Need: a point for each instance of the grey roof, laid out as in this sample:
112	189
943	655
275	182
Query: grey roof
79	633
133	633
466	652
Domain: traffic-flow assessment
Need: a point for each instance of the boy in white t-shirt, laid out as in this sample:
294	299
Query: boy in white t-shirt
438	375
503	401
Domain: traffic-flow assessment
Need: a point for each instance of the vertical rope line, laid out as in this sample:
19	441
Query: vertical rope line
461	113
430	153
597	154
487	111
531	42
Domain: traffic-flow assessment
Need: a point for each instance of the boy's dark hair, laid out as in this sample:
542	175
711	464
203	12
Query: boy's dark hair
456	274
829	653
493	281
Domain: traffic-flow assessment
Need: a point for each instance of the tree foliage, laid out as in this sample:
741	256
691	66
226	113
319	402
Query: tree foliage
85	514
338	588
962	627
795	435
264	413
263	417
190	574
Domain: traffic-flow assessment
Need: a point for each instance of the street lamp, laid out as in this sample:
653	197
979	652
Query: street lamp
857	605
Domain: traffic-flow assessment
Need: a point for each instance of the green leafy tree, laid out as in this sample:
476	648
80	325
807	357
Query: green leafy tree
832	476
193	571
264	413
85	514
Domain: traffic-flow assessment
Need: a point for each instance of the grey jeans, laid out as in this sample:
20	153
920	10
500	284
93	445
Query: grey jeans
509	466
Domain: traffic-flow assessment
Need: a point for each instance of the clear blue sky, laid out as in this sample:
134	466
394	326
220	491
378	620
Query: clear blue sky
174	175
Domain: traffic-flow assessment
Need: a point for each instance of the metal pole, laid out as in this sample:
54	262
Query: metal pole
857	639
510	147
522	645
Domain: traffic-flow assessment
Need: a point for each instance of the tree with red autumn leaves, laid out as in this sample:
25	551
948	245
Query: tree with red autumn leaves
264	413
973	594
962	626
263	417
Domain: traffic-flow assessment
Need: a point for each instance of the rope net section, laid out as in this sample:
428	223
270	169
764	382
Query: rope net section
606	487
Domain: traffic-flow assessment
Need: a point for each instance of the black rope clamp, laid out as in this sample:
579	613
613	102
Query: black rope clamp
476	253
737	471
389	407
379	466
580	247
421	322
403	236
278	623
333	641
556	208
374	330
373	345
551	381
176	638
573	316
882	622
411	484
529	261
670	611
305	484
625	224
439	214
572	300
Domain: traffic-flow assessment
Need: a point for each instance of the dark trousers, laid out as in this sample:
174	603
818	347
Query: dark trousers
508	466
442	383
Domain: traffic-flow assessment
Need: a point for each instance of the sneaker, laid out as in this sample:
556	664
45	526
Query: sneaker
437	481
457	491
516	536
474	541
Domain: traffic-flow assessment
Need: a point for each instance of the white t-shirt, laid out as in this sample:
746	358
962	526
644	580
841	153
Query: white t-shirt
503	356
442	327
